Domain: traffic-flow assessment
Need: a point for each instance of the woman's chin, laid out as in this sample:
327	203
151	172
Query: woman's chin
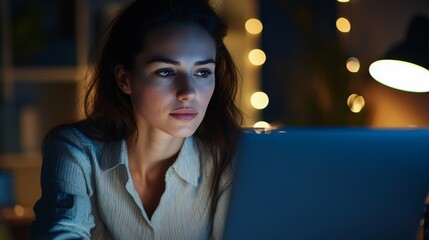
182	132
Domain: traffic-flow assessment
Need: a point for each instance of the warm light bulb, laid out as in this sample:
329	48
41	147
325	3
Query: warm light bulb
355	103
262	124
353	64
400	75
257	57
19	210
343	1
259	100
343	25
253	26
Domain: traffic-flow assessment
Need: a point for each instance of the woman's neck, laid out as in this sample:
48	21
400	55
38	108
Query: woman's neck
149	159
152	150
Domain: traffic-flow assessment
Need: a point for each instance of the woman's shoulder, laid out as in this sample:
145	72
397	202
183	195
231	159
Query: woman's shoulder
68	132
78	142
82	135
85	130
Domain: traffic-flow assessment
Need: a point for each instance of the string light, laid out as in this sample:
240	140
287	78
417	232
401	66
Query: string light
257	57
259	100
355	103
343	25
262	124
253	26
353	64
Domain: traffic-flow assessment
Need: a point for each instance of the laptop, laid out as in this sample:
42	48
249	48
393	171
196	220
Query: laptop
329	183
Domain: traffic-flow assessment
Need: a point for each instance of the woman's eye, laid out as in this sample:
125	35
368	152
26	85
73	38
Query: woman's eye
165	73
204	73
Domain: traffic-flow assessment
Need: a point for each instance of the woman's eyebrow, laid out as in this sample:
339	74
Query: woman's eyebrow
162	60
207	61
174	62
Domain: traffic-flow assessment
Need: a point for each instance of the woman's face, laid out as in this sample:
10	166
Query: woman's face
173	79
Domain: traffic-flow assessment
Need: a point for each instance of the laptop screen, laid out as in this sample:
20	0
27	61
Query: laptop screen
329	183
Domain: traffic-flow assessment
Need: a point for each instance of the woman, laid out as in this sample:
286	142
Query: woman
152	159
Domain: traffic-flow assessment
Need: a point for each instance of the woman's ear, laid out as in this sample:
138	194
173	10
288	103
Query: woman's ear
123	79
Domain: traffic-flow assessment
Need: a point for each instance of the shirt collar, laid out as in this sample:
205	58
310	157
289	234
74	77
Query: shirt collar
187	165
113	154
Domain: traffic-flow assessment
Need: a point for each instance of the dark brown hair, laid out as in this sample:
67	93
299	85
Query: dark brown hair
108	108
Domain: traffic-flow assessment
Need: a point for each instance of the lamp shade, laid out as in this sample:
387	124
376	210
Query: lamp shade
406	65
401	75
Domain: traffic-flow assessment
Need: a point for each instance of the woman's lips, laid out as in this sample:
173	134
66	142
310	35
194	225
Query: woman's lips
184	114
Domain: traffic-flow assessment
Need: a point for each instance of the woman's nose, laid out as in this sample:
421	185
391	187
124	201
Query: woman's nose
185	90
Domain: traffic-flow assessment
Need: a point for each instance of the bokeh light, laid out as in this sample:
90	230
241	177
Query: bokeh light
355	103
259	100
253	26
257	57
19	210
353	65
343	25
262	124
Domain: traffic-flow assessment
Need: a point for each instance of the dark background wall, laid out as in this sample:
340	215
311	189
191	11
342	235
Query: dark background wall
305	74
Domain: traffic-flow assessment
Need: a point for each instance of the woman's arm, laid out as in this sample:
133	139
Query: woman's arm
64	209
